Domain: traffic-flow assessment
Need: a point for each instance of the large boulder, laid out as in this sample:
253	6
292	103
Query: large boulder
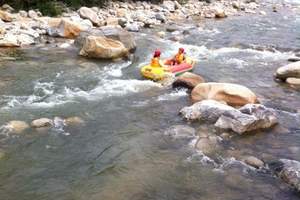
232	94
206	110
90	14
248	118
102	47
112	32
188	80
66	29
5	16
291	70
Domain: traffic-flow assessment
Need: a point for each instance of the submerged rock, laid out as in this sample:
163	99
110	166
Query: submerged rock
16	126
254	162
208	144
207	110
293	81
102	47
291	70
248	118
42	122
232	94
188	80
180	132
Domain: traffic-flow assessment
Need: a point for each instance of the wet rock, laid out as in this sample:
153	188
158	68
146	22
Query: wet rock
294	59
90	14
73	121
236	5
291	70
134	27
9	40
232	94
102	47
289	172
42	122
66	29
254	162
25	39
207	110
293	81
32	14
16	127
5	16
122	22
180	132
248	118
188	80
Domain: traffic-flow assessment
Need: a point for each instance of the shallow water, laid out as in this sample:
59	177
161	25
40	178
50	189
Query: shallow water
122	152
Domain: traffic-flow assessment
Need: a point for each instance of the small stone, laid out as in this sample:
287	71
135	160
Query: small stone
23	13
32	14
254	162
42	122
263	13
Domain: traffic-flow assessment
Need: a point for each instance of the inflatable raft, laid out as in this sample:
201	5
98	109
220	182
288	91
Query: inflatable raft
158	73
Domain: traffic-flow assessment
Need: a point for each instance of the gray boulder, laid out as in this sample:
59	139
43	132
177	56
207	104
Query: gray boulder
206	110
248	118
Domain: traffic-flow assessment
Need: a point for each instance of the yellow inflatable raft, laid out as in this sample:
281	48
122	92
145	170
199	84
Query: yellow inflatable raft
158	73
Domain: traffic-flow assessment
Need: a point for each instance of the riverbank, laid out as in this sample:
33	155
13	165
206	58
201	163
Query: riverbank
29	28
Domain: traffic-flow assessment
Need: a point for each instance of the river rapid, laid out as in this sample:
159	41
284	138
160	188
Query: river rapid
122	151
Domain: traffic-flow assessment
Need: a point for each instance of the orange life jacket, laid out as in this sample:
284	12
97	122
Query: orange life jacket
179	58
155	62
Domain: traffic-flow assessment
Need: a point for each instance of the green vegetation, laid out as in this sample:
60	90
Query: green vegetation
56	7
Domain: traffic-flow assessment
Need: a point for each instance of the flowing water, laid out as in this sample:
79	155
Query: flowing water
121	152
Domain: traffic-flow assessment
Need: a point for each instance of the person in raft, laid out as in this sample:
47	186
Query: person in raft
155	61
179	57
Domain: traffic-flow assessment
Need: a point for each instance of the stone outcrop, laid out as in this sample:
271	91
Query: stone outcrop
188	80
232	94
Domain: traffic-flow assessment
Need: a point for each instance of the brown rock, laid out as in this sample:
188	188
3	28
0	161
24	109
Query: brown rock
43	122
188	80
90	14
291	70
254	162
293	81
232	94
102	47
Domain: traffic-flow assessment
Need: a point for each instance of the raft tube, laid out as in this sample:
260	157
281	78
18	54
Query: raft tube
158	73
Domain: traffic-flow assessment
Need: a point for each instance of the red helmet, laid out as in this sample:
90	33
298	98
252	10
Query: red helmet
181	50
157	53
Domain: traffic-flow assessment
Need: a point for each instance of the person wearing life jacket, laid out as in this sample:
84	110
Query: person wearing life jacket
155	61
179	57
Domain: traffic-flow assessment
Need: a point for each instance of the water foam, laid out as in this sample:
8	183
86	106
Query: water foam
174	95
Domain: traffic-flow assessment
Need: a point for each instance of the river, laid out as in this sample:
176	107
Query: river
121	152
